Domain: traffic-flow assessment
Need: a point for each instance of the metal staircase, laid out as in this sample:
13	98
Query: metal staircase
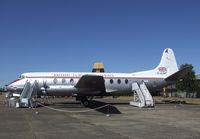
29	91
142	96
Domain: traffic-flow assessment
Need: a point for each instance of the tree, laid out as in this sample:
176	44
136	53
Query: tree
189	84
198	89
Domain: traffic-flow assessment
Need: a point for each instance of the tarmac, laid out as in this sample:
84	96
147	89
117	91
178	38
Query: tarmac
67	119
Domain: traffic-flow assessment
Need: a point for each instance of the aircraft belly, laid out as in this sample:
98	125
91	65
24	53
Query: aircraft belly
155	85
118	90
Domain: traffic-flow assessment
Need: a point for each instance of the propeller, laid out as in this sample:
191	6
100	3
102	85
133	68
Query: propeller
44	88
44	91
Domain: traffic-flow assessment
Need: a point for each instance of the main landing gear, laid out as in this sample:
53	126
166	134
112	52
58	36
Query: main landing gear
84	101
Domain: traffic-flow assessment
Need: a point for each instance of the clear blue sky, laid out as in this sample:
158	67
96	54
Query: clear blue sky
70	35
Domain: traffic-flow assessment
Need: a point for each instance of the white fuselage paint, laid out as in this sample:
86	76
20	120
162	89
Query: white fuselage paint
62	83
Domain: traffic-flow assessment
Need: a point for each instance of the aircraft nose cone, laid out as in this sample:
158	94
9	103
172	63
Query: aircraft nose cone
5	88
8	87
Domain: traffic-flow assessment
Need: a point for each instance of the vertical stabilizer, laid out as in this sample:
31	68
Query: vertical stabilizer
168	65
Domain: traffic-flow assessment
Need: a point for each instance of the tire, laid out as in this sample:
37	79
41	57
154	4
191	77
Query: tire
85	103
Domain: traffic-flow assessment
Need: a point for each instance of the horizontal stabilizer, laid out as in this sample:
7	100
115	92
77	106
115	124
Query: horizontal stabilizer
178	75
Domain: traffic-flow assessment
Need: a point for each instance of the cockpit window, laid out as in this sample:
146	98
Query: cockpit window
21	77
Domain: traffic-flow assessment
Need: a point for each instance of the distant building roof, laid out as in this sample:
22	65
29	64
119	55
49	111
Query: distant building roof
98	67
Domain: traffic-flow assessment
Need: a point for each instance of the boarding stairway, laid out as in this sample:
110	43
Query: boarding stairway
28	93
142	96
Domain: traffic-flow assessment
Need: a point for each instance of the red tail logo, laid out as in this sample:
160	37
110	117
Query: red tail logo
162	70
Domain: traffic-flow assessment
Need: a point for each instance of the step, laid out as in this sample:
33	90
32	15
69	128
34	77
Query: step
137	104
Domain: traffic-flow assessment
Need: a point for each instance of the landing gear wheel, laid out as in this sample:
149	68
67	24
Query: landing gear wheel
85	103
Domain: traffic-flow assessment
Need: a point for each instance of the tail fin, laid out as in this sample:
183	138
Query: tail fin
168	65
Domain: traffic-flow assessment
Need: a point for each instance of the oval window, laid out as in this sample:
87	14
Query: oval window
126	81
55	81
63	81
118	81
111	81
71	81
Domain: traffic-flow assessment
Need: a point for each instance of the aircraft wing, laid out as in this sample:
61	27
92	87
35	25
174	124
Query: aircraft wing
91	83
178	75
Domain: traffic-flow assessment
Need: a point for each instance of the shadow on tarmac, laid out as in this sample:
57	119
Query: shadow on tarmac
110	109
94	104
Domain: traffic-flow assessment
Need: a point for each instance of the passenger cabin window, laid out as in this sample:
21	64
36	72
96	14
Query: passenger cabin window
71	81
126	81
21	77
111	81
63	81
55	81
118	81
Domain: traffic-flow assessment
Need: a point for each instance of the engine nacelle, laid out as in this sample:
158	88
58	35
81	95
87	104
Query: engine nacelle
60	90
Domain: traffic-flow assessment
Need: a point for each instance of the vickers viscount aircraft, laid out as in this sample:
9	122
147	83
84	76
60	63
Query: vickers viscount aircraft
85	84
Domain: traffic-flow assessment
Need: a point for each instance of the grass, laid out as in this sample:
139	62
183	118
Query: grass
160	99
187	100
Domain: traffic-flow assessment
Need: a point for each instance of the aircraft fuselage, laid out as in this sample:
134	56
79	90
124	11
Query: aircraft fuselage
63	83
